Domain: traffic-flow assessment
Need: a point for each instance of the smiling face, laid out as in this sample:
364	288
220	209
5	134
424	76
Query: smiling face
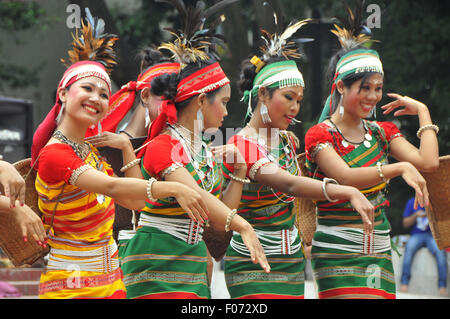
360	99
215	110
284	105
86	100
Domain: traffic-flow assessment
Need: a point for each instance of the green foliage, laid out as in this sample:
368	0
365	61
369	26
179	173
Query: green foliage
17	16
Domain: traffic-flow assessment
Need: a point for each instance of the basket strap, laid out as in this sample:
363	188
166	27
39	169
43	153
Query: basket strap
54	208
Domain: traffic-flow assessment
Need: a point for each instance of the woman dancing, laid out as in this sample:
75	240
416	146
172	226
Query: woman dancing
347	261
75	184
273	88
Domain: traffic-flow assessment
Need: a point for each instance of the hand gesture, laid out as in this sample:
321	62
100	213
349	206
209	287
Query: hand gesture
230	154
13	184
118	141
411	106
362	205
30	224
191	201
414	179
254	246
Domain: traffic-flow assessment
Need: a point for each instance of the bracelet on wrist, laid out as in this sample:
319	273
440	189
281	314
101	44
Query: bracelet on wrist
325	181
229	219
238	179
433	127
380	173
149	189
126	133
130	165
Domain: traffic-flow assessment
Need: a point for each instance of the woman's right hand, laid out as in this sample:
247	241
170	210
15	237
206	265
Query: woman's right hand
364	207
413	178
254	246
191	201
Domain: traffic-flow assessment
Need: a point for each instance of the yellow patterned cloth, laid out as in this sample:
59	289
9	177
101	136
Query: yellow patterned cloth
83	260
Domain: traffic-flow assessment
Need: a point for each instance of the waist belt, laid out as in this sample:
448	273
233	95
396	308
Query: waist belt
277	242
103	259
377	242
185	229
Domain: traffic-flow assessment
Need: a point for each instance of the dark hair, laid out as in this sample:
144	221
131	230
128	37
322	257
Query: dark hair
347	80
248	74
166	84
148	57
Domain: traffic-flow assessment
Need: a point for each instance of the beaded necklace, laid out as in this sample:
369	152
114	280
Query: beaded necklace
288	151
82	151
345	142
208	180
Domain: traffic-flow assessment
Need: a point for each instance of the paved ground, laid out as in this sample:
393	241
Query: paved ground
219	289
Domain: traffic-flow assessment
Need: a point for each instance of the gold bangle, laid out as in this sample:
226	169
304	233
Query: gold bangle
433	127
238	179
130	165
229	218
380	172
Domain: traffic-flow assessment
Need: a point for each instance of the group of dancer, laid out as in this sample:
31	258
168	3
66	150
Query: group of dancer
242	192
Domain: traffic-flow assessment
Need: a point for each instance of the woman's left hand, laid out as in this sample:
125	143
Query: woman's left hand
13	184
411	106
230	154
109	139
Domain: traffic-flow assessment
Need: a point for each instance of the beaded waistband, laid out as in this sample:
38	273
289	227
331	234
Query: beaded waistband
185	229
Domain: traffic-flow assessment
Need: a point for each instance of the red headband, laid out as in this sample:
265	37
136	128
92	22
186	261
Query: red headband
204	80
123	100
74	73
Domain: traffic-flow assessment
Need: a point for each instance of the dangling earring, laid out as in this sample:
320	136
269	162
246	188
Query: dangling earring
147	117
374	112
58	118
200	124
265	114
341	107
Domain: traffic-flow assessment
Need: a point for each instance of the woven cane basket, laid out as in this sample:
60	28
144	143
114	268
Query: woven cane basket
305	209
438	184
11	241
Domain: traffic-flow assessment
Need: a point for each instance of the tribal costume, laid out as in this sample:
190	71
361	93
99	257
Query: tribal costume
167	257
347	262
272	215
269	211
83	259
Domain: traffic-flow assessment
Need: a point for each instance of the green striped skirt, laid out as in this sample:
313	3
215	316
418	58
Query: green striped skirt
345	273
247	280
158	265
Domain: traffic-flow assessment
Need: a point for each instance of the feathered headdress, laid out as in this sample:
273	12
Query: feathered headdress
354	32
195	41
92	44
92	55
277	44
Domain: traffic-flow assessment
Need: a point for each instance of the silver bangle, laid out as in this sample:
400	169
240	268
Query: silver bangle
238	179
433	127
325	181
130	165
149	189
229	218
254	169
